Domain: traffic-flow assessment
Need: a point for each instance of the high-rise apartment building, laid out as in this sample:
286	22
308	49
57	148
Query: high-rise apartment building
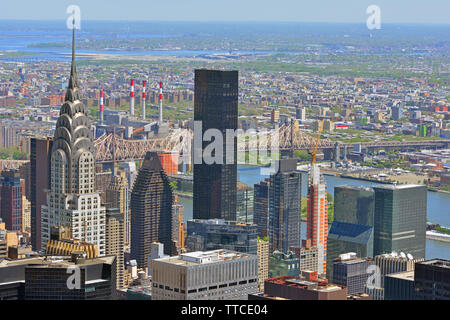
72	200
12	189
26	215
115	242
151	210
212	234
261	207
400	219
285	206
317	215
262	252
40	182
215	107
117	196
307	255
210	275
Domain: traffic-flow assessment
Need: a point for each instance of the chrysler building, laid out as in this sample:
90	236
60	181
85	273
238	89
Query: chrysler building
72	200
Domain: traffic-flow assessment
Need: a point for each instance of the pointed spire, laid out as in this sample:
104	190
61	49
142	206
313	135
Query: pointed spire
72	93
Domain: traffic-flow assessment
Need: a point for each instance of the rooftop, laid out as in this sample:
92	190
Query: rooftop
203	257
407	275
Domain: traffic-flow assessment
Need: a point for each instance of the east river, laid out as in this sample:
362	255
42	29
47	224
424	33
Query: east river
438	206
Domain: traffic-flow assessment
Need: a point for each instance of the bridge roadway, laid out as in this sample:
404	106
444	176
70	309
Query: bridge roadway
110	147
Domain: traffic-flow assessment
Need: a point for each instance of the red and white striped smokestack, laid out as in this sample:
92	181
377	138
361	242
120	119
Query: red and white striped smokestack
132	98
143	100
101	106
160	102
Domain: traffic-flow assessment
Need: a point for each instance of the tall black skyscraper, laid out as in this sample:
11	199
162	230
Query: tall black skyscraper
216	106
151	210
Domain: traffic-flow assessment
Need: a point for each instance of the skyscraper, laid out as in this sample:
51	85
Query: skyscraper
115	242
72	200
216	106
40	181
244	203
261	207
11	190
284	206
352	227
317	219
400	219
117	196
151	210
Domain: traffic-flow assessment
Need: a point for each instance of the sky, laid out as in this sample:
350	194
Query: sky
352	11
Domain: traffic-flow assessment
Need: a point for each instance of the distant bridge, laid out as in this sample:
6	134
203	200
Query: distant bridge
111	147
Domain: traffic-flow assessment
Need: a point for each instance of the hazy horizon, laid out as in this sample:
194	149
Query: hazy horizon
319	11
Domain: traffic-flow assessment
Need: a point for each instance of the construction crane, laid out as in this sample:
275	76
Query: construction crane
314	150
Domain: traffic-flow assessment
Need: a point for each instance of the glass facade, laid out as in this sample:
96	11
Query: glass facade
285	207
205	235
354	205
216	106
400	219
352	228
244	203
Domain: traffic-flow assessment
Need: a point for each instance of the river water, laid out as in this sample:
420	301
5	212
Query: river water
438	206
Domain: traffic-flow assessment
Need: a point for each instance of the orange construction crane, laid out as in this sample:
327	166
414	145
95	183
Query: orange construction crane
314	151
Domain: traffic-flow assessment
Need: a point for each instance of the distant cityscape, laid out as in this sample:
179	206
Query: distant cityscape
333	185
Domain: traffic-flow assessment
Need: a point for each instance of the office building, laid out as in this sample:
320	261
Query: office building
115	242
399	286
317	216
263	262
12	189
210	275
432	280
40	181
47	278
205	235
352	272
352	227
216	106
244	203
388	264
400	219
307	256
151	210
307	286
261	207
72	200
117	196
285	206
283	264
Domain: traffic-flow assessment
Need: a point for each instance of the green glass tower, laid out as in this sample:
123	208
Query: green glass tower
400	219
